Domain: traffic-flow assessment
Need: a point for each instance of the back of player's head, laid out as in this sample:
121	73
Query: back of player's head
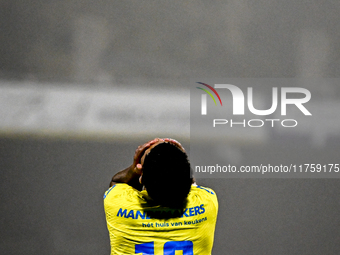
167	174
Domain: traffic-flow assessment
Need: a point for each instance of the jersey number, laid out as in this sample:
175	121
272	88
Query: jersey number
169	248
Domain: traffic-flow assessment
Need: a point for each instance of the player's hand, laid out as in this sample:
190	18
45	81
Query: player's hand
174	142
137	166
146	147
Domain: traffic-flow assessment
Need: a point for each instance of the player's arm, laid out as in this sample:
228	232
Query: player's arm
128	176
131	174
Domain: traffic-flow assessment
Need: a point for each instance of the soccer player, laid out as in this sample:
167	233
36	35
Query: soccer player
155	207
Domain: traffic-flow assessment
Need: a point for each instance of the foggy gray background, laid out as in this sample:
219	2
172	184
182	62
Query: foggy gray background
52	183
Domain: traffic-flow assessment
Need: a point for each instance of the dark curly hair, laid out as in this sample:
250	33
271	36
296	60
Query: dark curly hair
167	175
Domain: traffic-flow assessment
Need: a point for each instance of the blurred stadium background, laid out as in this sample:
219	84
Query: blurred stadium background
82	83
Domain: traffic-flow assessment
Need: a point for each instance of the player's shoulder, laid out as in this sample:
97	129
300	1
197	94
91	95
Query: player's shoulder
203	190
197	190
203	194
121	191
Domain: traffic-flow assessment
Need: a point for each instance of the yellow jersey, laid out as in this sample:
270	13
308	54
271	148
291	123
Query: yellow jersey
137	226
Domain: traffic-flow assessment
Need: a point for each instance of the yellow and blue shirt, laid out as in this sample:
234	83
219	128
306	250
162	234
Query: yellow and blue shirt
137	226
